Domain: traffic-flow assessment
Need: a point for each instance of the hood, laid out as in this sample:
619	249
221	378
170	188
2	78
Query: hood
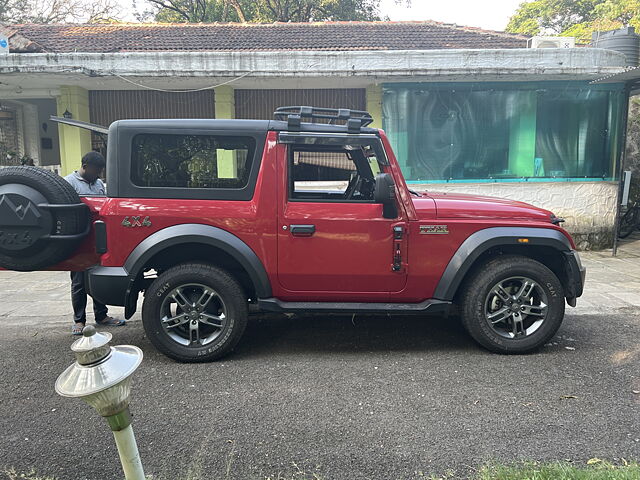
460	205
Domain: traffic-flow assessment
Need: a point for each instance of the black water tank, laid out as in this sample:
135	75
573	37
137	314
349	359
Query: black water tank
623	40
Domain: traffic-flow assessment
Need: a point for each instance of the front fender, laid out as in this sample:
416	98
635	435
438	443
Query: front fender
481	241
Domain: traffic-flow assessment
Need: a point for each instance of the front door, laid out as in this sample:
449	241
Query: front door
332	237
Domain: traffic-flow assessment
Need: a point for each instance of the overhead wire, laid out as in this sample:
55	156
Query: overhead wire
211	87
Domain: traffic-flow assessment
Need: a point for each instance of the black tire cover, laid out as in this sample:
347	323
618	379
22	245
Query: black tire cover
28	230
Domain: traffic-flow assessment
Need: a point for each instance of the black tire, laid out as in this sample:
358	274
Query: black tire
161	317
628	223
25	228
512	272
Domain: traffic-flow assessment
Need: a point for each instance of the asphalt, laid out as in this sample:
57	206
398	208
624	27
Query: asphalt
337	397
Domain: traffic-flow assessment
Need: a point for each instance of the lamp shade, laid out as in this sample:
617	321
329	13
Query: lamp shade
101	375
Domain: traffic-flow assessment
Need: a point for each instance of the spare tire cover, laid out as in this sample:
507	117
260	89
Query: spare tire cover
31	233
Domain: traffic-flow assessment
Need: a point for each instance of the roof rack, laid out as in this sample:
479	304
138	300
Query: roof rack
353	119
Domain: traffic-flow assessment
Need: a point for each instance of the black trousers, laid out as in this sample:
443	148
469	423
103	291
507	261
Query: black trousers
79	300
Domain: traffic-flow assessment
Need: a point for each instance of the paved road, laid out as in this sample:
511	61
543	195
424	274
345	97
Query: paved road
346	398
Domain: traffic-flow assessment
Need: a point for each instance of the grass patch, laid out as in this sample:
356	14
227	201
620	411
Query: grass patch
595	469
12	474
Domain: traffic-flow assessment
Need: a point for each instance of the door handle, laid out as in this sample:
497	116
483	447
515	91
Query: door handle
302	230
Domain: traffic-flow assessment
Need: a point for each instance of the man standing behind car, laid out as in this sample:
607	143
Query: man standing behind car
86	181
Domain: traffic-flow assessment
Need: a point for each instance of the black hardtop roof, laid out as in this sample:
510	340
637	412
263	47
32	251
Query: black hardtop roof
236	125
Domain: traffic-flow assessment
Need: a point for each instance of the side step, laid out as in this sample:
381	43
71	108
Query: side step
428	306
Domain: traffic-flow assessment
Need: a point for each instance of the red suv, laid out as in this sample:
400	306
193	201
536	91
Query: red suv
209	217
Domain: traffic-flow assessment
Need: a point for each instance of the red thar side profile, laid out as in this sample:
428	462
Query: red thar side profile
209	217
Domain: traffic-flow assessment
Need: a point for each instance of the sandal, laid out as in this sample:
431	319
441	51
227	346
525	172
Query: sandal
77	328
110	322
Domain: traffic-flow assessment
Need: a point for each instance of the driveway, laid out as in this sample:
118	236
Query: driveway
340	397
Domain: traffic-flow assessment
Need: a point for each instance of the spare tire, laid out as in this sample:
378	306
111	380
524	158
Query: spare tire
42	219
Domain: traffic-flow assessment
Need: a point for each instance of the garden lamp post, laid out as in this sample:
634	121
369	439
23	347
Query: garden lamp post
101	376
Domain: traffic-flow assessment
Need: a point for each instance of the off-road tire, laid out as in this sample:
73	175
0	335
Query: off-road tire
477	287
24	227
218	280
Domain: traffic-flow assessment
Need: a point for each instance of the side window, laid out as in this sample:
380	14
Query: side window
328	172
191	161
339	174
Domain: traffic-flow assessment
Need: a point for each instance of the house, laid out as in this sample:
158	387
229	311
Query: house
466	109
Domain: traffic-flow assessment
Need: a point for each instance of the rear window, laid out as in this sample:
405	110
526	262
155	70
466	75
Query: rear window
191	161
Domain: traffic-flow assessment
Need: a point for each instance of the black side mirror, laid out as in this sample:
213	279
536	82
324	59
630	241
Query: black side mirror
385	193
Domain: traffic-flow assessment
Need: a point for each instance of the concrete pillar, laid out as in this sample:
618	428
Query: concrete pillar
374	104
225	107
74	141
31	132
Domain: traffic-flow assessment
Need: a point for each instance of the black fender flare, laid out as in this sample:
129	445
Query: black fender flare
207	235
482	240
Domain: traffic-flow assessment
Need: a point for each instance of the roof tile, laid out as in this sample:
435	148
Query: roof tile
327	36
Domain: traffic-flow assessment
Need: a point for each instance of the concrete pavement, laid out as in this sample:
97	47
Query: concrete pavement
340	397
612	282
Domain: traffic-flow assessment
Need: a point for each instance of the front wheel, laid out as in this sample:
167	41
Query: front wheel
194	312
512	304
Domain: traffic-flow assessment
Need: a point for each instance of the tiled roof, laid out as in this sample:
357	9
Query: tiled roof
328	36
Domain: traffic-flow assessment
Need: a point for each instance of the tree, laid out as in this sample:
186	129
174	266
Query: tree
308	10
264	11
194	11
574	18
57	11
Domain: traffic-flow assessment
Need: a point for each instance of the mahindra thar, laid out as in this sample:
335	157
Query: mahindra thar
209	218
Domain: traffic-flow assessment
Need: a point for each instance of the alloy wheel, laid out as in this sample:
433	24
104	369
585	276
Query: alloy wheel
516	307
193	315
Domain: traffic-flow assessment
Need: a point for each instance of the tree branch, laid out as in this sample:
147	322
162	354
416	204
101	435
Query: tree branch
238	8
169	6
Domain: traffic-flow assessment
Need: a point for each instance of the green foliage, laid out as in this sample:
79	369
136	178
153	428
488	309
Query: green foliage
552	16
528	19
575	18
595	470
263	11
626	12
205	11
632	156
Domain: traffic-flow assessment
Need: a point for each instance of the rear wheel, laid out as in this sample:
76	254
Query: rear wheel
194	312
512	304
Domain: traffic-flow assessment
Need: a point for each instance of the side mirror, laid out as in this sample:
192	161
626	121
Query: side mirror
385	193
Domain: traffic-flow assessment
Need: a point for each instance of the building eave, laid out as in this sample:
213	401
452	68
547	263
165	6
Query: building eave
112	70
